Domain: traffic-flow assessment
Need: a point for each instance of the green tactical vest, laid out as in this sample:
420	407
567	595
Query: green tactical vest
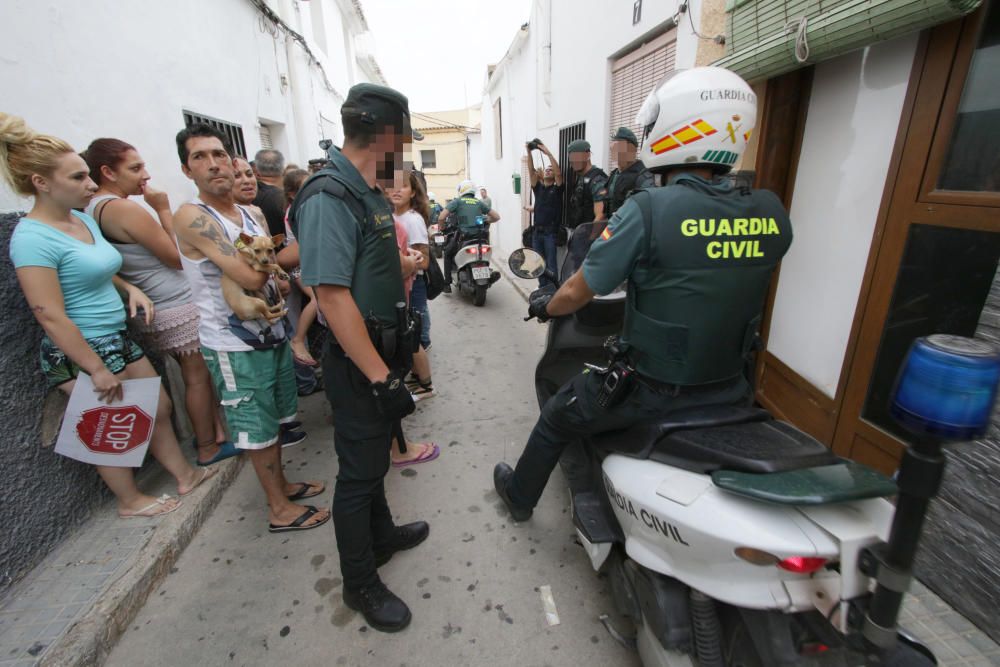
694	309
581	199
377	283
469	208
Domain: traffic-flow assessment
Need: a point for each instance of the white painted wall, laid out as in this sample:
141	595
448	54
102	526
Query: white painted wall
851	126
127	69
543	88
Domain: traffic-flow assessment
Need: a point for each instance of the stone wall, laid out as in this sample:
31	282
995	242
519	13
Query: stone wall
959	554
44	495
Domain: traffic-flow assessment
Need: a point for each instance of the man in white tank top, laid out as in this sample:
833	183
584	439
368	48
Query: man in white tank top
250	361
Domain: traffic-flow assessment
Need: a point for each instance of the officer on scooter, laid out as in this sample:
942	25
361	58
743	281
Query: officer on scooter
630	174
466	209
697	254
435	207
348	247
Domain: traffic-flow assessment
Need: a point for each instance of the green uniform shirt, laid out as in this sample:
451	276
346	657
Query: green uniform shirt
466	209
339	248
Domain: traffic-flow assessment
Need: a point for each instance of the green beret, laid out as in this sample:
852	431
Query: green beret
579	146
378	104
625	134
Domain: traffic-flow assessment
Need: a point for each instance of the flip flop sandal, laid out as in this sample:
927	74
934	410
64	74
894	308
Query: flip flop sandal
226	450
298	523
144	512
427	456
206	475
303	491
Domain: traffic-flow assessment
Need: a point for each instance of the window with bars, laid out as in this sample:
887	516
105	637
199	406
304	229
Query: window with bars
233	131
633	77
428	159
568	135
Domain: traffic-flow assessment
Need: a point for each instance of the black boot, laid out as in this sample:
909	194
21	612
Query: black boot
501	477
381	608
405	537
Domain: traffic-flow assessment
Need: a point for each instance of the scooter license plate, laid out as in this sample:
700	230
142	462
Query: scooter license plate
439	238
480	273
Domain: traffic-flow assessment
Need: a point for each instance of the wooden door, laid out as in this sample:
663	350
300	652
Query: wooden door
934	258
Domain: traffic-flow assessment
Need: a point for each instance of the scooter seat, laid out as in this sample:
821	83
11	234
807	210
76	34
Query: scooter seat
765	446
707	439
639	441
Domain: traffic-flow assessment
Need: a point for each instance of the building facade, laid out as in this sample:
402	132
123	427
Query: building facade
271	74
444	153
874	127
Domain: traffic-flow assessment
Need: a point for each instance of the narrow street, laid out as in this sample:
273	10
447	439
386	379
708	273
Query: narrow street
242	596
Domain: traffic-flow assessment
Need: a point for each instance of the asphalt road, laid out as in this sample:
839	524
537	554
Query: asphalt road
242	596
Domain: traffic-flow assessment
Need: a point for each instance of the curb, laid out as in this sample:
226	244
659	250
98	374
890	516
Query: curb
517	283
90	640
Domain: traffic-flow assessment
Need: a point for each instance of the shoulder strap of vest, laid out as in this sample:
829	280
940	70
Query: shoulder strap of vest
324	181
642	199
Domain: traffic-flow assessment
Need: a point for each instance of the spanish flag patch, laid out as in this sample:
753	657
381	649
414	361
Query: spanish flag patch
606	234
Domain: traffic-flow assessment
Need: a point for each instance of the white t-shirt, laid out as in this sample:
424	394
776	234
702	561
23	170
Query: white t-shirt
416	228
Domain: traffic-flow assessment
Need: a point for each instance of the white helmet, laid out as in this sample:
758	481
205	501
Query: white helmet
432	196
701	116
466	187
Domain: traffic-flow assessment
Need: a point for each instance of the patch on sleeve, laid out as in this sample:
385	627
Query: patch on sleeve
606	234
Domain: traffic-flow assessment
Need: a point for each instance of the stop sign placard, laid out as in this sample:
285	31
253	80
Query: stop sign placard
114	430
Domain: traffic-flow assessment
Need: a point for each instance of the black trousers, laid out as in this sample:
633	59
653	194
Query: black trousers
450	250
362	437
573	413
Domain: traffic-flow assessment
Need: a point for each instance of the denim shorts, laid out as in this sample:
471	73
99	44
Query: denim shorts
116	350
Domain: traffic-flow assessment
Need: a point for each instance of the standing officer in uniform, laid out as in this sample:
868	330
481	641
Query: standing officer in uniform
466	209
698	255
435	207
630	174
347	241
586	202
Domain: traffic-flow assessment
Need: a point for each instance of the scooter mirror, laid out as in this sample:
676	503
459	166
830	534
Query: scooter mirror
526	263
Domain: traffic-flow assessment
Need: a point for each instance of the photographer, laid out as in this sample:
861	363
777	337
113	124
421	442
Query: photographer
548	190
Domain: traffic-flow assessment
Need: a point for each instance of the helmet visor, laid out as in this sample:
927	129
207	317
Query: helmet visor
650	109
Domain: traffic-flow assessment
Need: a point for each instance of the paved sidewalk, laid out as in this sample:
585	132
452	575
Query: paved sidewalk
71	609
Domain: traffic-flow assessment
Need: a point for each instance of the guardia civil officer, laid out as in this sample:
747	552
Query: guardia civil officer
348	248
466	209
697	255
630	174
590	190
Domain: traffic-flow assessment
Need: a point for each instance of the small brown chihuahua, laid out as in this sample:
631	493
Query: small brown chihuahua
258	252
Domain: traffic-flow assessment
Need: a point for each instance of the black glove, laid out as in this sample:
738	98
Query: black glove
537	306
392	398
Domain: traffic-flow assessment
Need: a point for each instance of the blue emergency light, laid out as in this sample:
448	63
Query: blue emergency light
947	387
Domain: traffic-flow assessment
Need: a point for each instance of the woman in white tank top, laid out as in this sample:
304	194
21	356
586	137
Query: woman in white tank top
151	261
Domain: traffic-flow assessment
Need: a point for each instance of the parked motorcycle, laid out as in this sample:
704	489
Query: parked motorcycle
472	263
731	538
438	240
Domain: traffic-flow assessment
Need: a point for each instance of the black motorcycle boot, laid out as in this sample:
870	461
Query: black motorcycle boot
501	477
405	537
381	608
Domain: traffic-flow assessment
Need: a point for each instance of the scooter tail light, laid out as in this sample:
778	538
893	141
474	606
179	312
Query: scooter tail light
802	564
756	556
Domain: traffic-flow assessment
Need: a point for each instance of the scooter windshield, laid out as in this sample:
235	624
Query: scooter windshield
577	246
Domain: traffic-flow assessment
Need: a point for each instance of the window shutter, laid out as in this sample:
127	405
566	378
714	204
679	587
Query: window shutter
633	76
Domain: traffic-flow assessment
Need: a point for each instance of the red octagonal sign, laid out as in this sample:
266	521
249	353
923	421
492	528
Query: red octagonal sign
114	430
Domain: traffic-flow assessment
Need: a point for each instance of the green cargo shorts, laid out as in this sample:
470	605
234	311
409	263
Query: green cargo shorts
257	391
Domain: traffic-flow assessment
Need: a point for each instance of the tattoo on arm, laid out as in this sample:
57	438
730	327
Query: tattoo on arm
210	229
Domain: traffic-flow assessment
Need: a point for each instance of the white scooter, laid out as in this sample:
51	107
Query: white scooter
731	538
472	263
